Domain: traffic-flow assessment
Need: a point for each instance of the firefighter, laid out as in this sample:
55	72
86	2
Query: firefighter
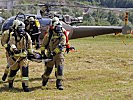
34	31
55	20
53	48
18	46
4	40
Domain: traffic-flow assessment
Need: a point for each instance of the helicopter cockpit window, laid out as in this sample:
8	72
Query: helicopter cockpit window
67	18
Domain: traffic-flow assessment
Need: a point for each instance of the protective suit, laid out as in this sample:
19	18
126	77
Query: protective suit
18	46
55	21
4	40
53	47
33	28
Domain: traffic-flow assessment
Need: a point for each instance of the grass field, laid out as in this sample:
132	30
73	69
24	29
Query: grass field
100	69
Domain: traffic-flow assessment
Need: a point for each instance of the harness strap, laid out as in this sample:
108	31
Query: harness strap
16	59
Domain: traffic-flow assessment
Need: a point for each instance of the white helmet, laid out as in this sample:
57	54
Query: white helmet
58	27
17	23
31	19
55	19
56	23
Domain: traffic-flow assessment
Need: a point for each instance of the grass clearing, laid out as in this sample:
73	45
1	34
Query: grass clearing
101	68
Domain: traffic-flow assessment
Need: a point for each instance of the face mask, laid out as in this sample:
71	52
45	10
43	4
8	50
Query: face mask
26	22
20	32
58	29
31	23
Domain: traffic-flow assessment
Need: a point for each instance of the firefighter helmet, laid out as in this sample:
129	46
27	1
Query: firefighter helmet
31	19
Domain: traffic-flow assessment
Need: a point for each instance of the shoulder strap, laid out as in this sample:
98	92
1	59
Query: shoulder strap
26	36
49	38
9	35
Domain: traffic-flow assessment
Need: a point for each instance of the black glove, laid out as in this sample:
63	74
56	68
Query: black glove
71	48
43	55
29	56
8	47
67	50
16	51
52	54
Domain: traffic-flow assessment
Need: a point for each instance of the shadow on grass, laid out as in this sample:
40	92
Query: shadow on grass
6	89
32	79
51	80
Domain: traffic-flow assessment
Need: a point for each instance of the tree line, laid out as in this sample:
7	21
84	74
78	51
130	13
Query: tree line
93	17
114	3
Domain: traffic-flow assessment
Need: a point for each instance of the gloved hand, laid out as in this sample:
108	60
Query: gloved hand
43	55
16	51
52	54
72	48
35	55
29	56
8	47
69	49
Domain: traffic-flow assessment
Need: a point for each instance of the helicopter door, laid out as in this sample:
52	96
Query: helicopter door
67	19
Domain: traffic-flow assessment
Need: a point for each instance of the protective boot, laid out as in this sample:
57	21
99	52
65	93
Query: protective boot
45	76
25	78
11	84
59	84
44	82
25	88
4	77
11	77
56	72
37	46
5	73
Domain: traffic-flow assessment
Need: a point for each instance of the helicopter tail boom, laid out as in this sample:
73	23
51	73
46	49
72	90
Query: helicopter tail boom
87	31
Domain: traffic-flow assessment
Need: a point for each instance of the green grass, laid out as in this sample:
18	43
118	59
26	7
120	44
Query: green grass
100	69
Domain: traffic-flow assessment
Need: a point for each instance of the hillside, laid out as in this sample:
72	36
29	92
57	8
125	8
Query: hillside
99	17
92	17
105	3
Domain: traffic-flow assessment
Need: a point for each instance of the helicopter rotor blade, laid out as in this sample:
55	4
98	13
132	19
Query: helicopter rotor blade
79	5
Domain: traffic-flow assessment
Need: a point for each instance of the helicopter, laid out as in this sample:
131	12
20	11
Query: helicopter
74	31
